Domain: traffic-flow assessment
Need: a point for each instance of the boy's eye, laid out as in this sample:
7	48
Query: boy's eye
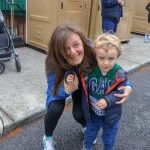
111	58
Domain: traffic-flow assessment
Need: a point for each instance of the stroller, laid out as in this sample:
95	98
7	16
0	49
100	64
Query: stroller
7	51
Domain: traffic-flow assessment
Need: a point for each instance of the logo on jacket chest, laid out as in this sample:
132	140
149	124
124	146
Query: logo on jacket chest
99	86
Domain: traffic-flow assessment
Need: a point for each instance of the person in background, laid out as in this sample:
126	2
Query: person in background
111	13
68	50
103	82
147	34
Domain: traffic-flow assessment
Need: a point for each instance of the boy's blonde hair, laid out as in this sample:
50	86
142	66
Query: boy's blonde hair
108	41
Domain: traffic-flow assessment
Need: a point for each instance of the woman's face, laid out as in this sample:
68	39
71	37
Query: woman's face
74	50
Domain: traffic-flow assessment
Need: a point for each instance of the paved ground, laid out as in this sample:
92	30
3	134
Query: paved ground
22	96
134	130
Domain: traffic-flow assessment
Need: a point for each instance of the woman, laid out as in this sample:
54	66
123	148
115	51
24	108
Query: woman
68	50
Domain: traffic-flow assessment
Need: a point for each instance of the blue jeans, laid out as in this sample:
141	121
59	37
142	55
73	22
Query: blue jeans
109	26
148	18
108	135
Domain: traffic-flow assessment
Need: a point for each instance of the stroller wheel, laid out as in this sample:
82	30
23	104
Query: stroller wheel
18	65
2	68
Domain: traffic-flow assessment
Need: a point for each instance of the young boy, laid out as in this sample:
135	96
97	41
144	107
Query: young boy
103	83
147	34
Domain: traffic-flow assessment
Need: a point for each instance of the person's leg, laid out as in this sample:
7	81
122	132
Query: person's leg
147	33
109	135
77	108
148	29
109	26
53	114
92	130
115	27
51	118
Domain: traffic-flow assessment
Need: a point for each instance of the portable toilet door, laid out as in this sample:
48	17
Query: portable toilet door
125	24
96	20
77	11
44	16
140	21
40	22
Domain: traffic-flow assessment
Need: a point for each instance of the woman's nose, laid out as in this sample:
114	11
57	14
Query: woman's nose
72	50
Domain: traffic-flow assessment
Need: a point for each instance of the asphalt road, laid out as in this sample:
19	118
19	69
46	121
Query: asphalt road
134	133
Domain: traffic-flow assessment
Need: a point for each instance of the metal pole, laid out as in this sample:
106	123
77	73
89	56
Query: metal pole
12	18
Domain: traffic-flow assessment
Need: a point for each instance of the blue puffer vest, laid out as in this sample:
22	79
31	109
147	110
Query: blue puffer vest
112	10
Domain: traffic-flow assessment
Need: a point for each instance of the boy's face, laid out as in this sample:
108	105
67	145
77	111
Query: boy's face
106	60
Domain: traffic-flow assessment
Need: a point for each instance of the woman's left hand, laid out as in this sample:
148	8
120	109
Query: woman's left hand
125	95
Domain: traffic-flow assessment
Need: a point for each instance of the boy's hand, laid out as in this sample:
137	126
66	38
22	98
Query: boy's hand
71	83
102	104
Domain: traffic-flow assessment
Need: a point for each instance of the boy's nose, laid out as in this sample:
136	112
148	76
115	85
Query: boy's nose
106	61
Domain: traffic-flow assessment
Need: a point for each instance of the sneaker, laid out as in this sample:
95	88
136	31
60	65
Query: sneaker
48	143
149	38
95	141
146	39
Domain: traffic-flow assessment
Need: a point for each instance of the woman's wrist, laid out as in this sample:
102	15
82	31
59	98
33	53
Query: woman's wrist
68	92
